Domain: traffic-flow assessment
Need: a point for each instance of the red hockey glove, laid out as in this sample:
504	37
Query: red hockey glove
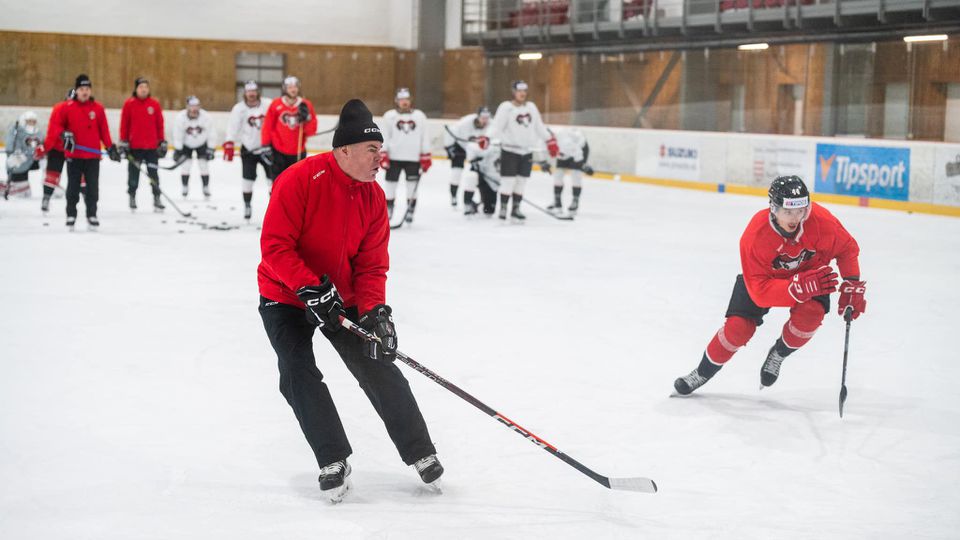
816	282
552	147
384	161
425	161
483	142
228	150
39	152
851	296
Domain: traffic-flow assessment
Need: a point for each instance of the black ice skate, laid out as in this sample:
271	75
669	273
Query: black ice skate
411	206
93	223
185	191
247	212
555	208
71	223
770	371
696	378
157	205
206	192
453	201
333	480
516	215
503	211
429	469
469	208
574	205
133	202
45	204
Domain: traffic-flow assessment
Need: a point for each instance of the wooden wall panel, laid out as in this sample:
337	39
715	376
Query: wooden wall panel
463	82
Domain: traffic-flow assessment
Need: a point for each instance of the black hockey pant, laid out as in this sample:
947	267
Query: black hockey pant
83	169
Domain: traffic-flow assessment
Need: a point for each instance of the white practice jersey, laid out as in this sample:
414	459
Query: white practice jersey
405	135
465	129
571	143
245	123
192	132
519	128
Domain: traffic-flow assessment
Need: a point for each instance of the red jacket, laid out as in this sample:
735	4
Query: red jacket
54	120
141	123
281	126
769	260
321	221
87	121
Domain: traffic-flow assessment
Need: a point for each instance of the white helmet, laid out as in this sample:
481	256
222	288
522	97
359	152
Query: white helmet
28	122
290	80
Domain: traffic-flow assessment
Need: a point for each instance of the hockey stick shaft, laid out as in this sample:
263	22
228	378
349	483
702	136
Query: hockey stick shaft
644	485
156	184
496	187
847	316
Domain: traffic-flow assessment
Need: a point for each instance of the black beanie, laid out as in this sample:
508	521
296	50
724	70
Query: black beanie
137	82
82	80
356	125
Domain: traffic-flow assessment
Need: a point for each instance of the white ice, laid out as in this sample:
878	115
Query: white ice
138	392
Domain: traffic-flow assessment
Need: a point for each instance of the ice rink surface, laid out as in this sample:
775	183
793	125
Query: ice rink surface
138	391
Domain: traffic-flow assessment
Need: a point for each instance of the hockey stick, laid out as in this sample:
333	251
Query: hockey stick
408	210
155	183
496	187
847	316
643	485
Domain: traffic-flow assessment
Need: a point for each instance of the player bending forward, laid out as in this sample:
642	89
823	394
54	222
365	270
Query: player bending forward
456	138
574	152
406	148
245	124
324	256
193	136
785	253
519	128
24	147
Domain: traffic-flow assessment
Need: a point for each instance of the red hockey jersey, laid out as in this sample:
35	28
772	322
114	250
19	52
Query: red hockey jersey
769	260
281	126
87	121
321	221
55	113
141	123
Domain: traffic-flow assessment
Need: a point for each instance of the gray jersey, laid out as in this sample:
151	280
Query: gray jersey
20	146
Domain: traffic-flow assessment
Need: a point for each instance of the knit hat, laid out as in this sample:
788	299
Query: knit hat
137	82
356	125
82	80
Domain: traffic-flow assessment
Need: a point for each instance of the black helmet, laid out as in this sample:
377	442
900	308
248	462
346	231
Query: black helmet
789	192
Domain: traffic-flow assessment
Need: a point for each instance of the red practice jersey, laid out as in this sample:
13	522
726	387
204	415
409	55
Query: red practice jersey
54	120
87	121
141	123
282	126
769	260
321	221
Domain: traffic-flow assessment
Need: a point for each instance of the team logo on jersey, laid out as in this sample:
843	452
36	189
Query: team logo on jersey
786	262
255	121
92	115
406	126
290	119
150	109
524	119
194	130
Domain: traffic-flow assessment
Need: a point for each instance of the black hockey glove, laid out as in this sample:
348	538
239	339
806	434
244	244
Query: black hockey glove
303	112
324	307
379	322
545	167
265	154
162	149
68	142
124	148
587	170
210	154
113	153
179	154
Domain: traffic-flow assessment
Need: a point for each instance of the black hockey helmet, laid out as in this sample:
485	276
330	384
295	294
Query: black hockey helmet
788	192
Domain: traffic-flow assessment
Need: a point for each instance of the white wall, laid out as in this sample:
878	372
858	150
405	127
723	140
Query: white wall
337	22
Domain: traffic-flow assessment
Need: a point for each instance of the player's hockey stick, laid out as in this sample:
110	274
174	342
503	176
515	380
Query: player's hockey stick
408	210
643	485
496	187
847	316
139	165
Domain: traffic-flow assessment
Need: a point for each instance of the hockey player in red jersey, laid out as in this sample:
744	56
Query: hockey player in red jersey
785	253
55	156
289	121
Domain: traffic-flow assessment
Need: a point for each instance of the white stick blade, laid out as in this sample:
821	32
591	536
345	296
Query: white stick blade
643	485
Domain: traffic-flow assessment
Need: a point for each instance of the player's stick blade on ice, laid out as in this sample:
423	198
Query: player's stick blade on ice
643	485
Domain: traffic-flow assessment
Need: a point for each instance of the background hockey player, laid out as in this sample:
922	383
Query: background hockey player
193	136
290	120
24	148
245	125
785	253
406	148
520	130
142	139
55	156
484	175
470	128
571	160
324	255
83	122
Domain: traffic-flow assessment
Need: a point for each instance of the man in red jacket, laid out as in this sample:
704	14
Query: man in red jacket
290	120
55	156
324	255
785	254
82	123
142	139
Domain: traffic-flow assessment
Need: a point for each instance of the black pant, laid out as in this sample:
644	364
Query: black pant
741	305
282	161
249	162
457	156
488	194
148	156
410	170
83	169
301	383
515	164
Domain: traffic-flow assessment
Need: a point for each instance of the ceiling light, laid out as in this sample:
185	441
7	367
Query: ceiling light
753	47
531	56
918	39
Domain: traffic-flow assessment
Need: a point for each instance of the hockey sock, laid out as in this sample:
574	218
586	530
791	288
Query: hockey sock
803	323
576	192
185	179
47	191
453	190
557	191
504	201
734	333
468	197
707	368
247	197
205	179
517	199
51	180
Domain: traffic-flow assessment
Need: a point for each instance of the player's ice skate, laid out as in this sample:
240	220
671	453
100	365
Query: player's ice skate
335	481
430	471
